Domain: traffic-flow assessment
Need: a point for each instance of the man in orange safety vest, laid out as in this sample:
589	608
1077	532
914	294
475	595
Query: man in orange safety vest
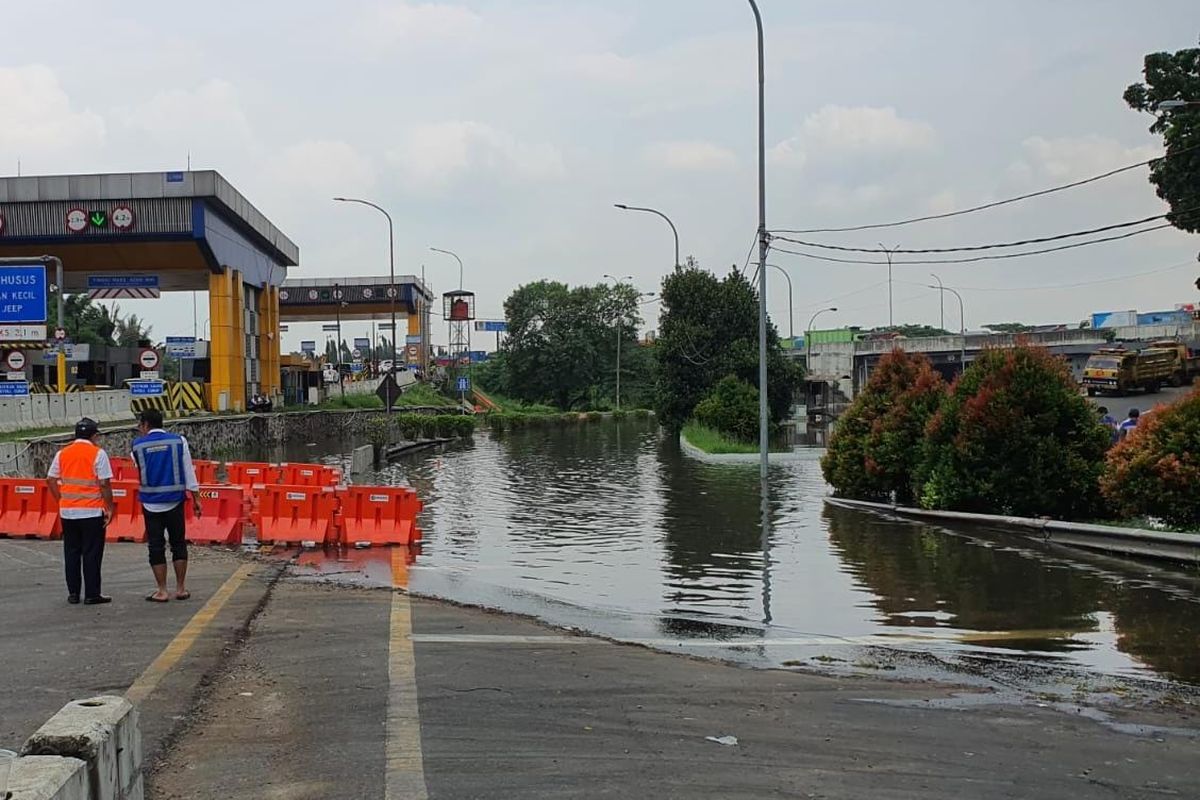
79	478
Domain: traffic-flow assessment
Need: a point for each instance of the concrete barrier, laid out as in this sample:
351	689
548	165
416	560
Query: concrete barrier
49	778
89	406
117	405
10	414
57	408
362	459
73	404
40	403
103	733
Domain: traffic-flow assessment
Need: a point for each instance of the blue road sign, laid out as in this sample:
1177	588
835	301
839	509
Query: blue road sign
362	343
174	177
308	347
146	388
122	282
181	346
463	384
412	338
14	388
22	293
491	327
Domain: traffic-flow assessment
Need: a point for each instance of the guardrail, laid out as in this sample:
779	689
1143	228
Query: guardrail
63	410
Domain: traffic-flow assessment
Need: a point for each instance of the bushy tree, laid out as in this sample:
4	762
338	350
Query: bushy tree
708	330
731	408
1155	470
1174	76
1014	436
876	446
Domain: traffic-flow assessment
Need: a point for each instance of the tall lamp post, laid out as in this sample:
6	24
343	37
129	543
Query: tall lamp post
392	290
337	296
791	325
941	301
764	244
808	338
962	325
617	282
674	231
888	253
456	258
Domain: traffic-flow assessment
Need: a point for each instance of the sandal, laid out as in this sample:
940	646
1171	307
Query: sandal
151	598
184	596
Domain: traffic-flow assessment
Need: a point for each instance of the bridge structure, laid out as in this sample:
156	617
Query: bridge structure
163	232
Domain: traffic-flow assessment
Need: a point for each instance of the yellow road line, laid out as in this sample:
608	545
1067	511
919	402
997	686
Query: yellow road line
183	641
404	778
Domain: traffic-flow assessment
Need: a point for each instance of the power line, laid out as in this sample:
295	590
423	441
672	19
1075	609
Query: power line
974	258
977	247
1052	286
996	203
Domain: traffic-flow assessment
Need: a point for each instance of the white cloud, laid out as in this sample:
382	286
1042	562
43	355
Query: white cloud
1071	158
391	23
837	132
690	156
210	112
39	117
322	168
438	154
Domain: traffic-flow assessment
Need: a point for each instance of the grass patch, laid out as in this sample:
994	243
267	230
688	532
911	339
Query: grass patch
509	405
423	395
711	441
30	433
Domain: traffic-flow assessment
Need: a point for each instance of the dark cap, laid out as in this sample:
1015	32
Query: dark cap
86	428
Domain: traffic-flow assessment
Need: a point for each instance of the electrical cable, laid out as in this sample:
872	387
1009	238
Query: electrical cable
1053	286
996	203
978	247
974	258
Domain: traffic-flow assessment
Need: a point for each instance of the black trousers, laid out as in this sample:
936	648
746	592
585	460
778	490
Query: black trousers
83	550
161	525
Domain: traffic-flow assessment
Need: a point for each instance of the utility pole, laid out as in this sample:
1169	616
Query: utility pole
337	297
763	246
888	253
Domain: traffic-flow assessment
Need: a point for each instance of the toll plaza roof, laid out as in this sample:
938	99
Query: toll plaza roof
179	225
364	297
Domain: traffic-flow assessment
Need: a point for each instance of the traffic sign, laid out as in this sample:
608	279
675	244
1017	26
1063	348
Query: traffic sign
412	351
148	359
362	343
388	391
123	218
181	346
14	388
60	334
98	219
308	346
356	354
109	287
1	224
23	293
358	366
329	328
22	333
140	388
77	220
149	375
463	384
15	360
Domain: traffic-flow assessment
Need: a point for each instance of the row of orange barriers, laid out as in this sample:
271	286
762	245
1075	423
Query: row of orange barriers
245	473
306	514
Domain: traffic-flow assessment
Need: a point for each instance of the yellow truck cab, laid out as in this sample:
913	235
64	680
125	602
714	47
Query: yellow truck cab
1115	370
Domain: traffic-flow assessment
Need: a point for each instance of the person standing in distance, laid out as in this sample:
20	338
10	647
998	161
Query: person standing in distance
80	480
167	475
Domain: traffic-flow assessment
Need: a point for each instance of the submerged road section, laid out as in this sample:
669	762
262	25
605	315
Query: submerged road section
268	684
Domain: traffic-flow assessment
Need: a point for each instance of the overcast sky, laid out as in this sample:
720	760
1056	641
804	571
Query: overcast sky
505	130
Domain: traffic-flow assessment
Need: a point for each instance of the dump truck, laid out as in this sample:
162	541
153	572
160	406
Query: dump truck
1185	362
1115	370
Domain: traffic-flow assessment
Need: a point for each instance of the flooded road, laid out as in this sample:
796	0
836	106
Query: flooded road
609	528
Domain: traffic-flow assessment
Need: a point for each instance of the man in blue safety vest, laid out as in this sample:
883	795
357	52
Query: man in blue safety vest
164	464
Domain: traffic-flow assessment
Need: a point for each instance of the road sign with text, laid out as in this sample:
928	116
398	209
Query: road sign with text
22	293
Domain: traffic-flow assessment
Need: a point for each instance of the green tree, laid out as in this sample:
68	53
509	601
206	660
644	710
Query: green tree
909	331
731	408
1174	76
562	341
1014	436
708	330
1008	327
86	322
129	331
876	446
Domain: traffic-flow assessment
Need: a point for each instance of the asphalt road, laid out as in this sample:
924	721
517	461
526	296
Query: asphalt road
285	688
1119	406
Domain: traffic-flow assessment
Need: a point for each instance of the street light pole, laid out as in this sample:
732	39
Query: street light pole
674	232
392	290
456	258
962	326
617	282
337	296
888	253
808	339
791	325
763	246
941	301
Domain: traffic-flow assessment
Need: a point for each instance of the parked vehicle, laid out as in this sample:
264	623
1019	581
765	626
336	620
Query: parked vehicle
1185	363
1115	370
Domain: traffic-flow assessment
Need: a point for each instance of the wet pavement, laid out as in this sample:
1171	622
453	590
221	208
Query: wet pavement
610	529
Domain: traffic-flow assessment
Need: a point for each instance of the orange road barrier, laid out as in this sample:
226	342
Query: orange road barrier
127	524
379	515
297	474
27	509
301	515
124	468
222	515
206	471
249	473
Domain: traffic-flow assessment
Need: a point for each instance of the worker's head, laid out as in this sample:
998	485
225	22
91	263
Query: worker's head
1134	413
1102	411
149	419
86	428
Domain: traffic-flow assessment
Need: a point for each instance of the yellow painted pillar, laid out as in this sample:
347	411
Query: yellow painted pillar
268	340
222	343
237	360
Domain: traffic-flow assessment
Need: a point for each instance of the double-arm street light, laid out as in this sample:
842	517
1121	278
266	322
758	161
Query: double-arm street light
808	338
456	258
674	232
392	288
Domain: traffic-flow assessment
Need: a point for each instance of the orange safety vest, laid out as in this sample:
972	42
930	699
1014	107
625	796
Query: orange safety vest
77	473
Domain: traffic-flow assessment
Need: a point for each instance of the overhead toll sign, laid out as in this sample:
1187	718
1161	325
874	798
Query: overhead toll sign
111	287
22	293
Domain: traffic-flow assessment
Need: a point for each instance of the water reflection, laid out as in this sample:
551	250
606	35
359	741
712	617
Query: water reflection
612	528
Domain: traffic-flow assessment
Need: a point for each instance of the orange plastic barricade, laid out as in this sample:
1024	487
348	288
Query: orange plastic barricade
27	509
309	475
124	468
127	524
206	471
301	515
379	515
222	515
249	473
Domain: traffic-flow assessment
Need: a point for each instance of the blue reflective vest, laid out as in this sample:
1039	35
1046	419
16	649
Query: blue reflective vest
159	457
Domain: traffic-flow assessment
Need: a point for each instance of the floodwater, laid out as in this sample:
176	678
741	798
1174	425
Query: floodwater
609	528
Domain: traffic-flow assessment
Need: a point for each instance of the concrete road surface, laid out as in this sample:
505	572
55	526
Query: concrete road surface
268	685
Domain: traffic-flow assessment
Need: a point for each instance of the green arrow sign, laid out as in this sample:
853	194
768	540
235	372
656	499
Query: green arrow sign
99	219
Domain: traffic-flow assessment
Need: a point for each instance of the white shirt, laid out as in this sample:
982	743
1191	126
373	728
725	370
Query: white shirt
103	469
189	478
